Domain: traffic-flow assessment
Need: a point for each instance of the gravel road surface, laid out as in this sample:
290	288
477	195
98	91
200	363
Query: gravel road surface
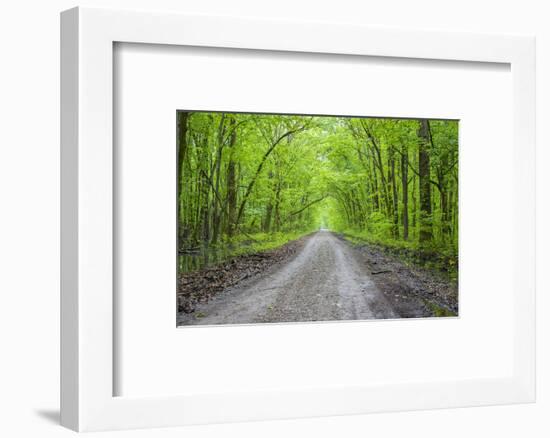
326	280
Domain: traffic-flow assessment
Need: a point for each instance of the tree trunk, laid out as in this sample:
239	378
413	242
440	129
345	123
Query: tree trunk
405	190
267	221
277	209
378	163
266	225
414	206
216	204
376	196
426	232
231	183
443	209
443	198
395	208
182	153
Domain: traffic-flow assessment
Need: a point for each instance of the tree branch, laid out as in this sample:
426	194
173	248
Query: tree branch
307	206
260	166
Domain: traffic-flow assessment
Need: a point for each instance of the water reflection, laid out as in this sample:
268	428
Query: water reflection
202	257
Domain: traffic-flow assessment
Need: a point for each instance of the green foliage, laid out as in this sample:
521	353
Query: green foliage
439	311
243	174
260	242
441	258
263	179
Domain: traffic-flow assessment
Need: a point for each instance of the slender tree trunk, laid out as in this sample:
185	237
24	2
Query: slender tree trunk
426	232
267	220
277	207
199	180
383	182
443	212
182	117
376	196
217	204
369	192
395	207
443	200
413	184
405	190
378	163
203	164
266	226
231	183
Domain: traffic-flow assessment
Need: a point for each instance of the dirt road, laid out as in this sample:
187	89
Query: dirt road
326	280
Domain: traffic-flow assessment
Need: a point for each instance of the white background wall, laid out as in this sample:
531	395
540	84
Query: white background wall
29	218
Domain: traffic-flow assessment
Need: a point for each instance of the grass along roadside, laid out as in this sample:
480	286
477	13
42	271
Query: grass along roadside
260	242
443	261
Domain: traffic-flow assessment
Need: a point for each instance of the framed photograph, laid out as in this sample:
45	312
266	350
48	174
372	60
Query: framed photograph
295	218
275	219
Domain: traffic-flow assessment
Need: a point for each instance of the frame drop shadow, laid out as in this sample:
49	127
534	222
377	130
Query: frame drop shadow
52	415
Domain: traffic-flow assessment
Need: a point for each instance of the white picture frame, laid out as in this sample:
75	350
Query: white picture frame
87	318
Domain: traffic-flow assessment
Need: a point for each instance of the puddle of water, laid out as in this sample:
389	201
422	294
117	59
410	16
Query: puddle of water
207	256
202	257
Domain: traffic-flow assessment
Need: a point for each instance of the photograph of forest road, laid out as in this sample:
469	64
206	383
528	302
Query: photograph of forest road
297	218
